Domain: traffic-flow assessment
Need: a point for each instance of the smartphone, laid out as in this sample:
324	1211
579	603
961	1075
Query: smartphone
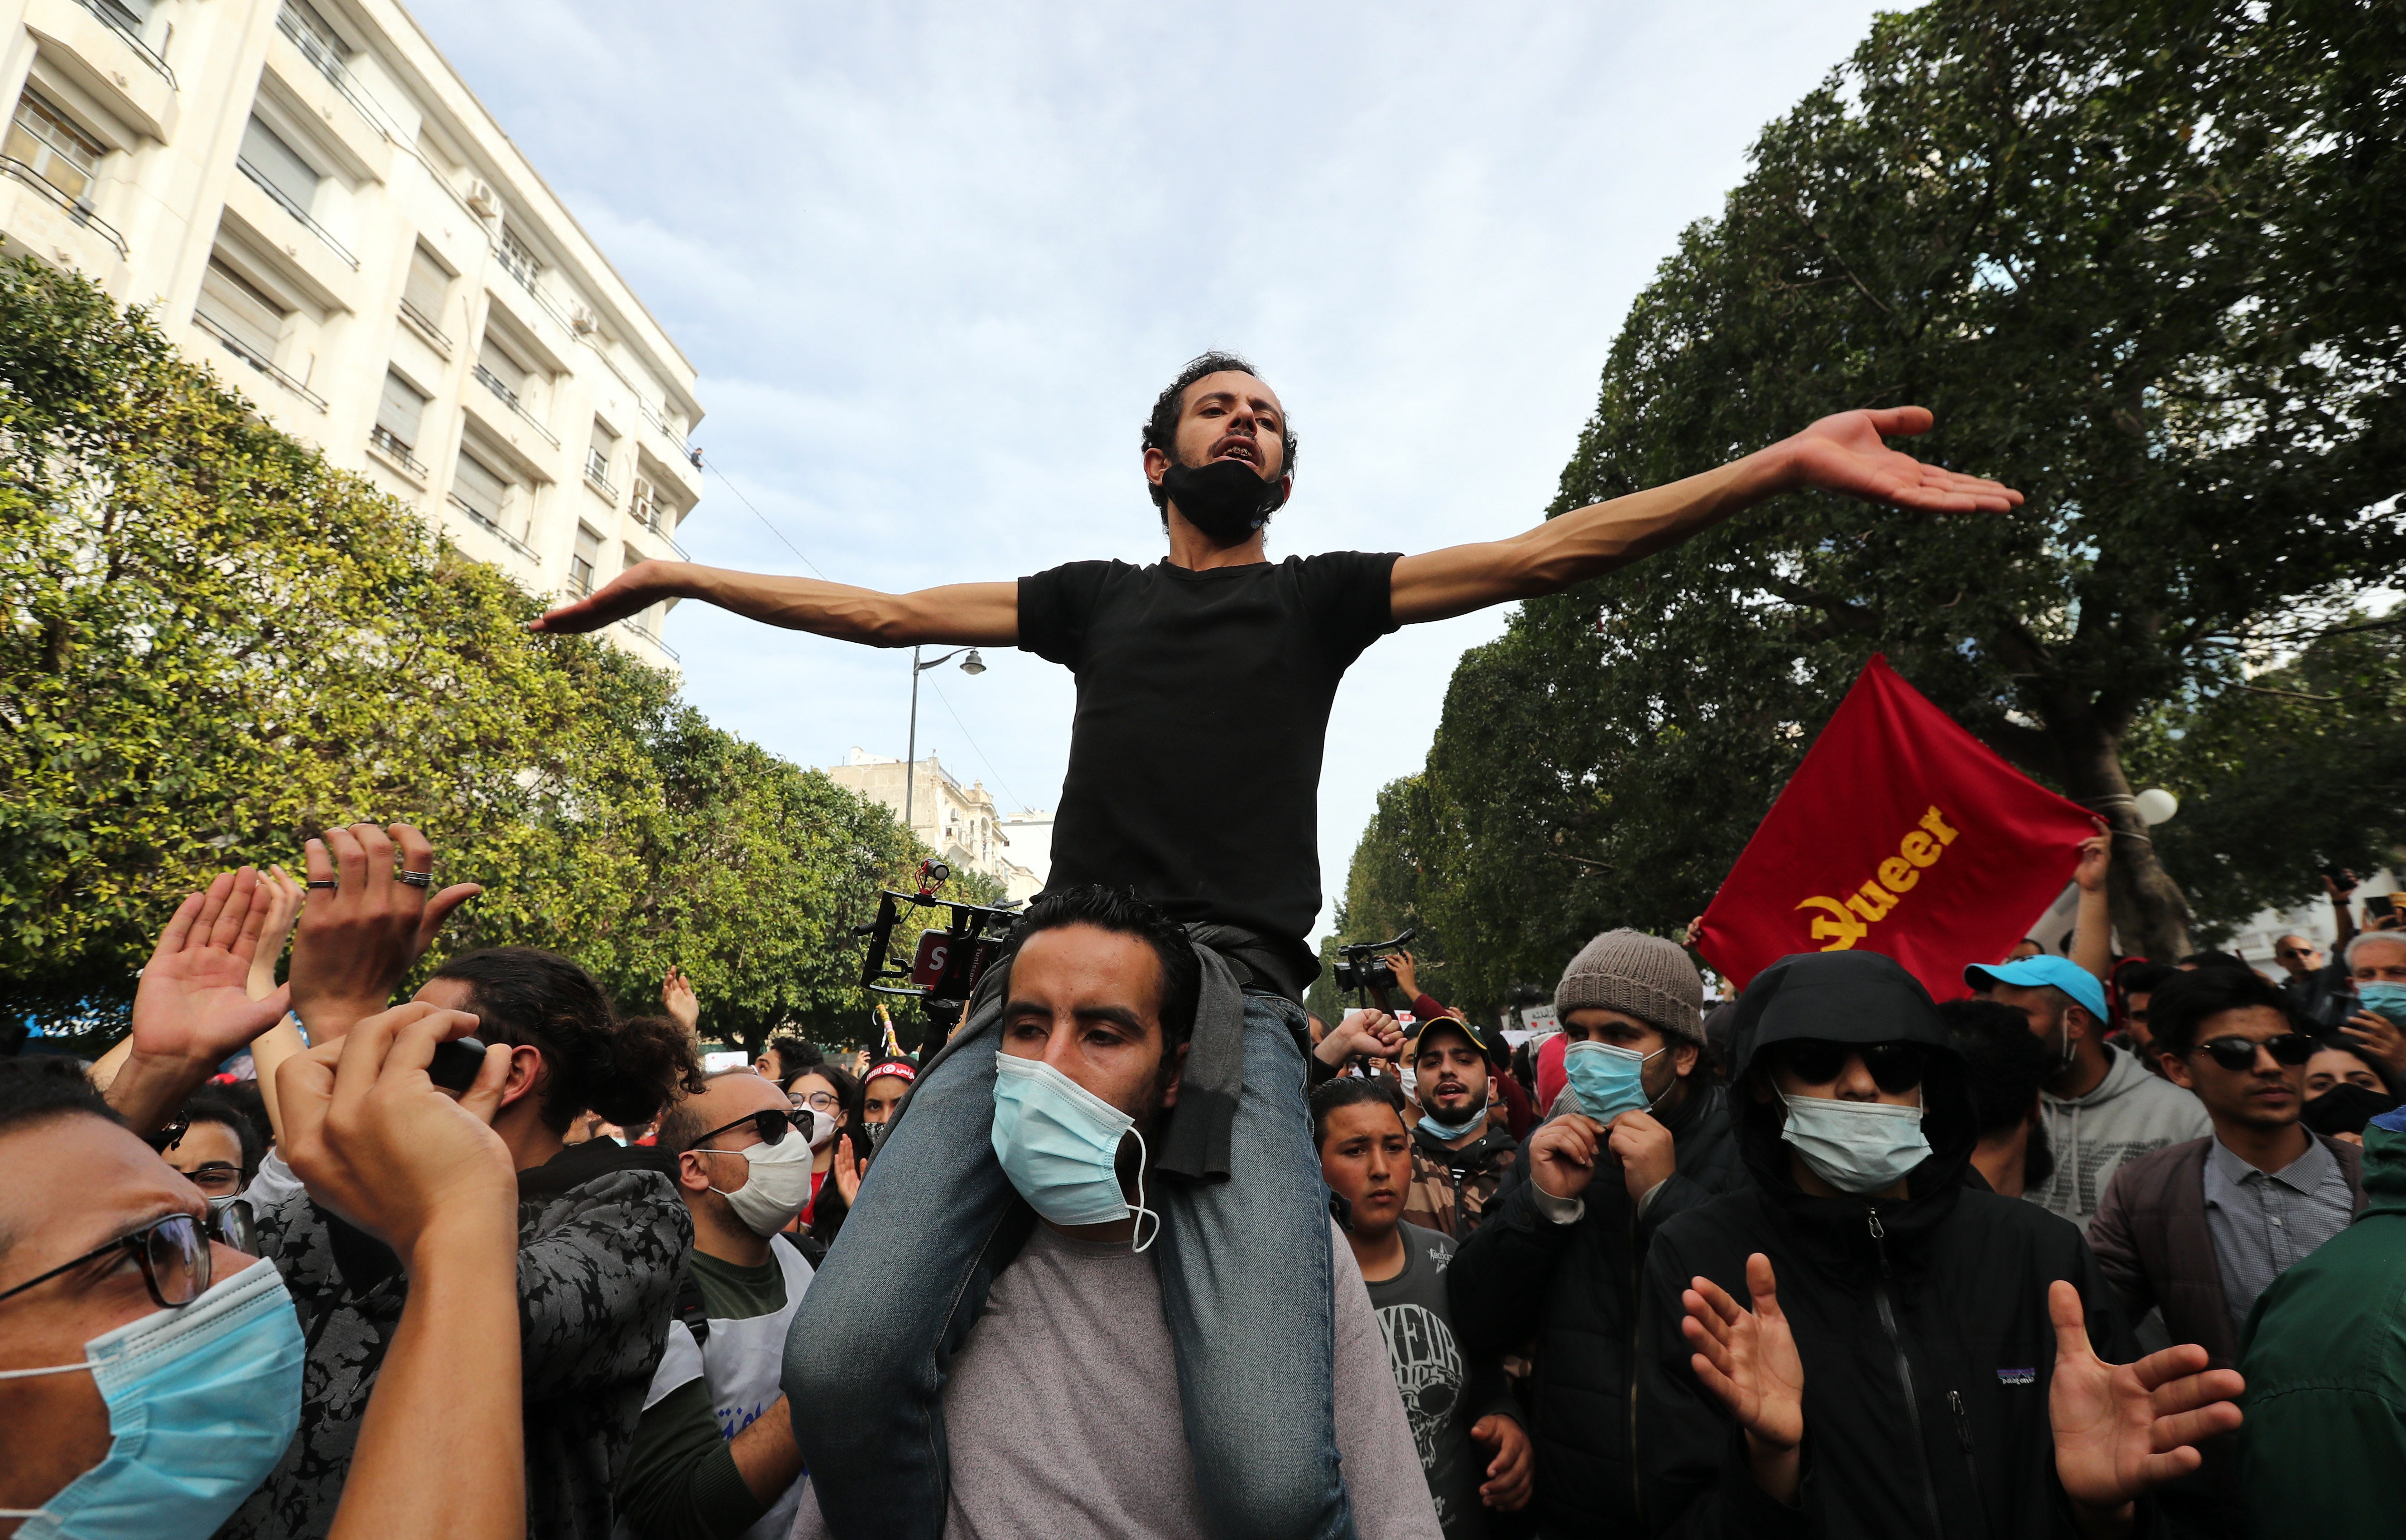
456	1064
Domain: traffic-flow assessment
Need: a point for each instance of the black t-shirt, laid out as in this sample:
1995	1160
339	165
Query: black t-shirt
1203	705
1445	1391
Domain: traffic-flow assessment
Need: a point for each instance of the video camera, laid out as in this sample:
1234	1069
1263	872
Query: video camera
1361	964
946	965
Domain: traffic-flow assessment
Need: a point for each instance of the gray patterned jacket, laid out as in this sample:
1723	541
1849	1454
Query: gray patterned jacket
603	1242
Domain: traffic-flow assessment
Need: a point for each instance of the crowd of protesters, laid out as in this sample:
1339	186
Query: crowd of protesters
1836	1259
2108	1248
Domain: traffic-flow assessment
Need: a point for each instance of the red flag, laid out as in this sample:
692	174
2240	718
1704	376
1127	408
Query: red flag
1899	833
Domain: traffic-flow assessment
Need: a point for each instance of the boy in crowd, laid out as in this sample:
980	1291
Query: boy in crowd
2200	1229
1464	1420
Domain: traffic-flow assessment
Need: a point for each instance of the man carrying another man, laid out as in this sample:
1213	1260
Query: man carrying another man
1065	1410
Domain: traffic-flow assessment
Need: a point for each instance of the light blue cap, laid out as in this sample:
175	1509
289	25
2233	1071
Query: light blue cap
2034	972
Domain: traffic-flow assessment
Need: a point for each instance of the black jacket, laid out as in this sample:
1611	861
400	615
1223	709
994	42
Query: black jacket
1574	1286
1923	1322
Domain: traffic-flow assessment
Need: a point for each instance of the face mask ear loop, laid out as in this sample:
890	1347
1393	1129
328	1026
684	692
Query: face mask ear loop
28	1374
1142	1213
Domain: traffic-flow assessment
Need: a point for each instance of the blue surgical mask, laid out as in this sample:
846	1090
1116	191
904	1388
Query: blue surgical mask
1445	1134
1857	1147
1059	1144
1606	1080
202	1399
2384	999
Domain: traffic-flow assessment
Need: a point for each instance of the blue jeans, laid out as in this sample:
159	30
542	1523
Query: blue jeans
1245	1285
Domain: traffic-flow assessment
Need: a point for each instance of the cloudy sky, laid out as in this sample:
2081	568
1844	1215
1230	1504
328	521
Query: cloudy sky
934	262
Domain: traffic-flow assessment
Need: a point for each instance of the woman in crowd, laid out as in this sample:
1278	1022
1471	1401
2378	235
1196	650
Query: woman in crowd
833	1098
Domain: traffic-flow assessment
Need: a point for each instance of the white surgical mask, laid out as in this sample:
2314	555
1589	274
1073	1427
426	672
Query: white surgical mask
779	1186
1856	1147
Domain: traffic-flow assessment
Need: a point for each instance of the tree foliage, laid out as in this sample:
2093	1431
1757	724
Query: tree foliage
217	647
2142	262
1382	898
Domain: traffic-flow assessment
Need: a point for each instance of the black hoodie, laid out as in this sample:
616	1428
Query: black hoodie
1922	1321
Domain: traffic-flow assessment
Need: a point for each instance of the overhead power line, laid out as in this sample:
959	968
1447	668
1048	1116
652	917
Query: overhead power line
713	468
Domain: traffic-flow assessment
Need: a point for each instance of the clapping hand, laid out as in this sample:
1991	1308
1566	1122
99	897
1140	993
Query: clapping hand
193	1007
1845	453
2122	1428
359	936
1749	1359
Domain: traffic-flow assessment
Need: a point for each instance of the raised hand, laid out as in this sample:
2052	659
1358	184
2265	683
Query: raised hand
678	999
1369	1032
2096	856
1408	977
376	1142
359	937
193	1007
1749	1359
1845	453
285	897
2379	1035
2122	1428
639	588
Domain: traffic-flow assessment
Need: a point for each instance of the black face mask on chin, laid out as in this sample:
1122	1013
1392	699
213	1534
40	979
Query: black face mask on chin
1227	499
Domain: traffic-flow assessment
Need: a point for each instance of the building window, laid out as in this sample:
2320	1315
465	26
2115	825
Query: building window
319	42
519	259
42	139
426	293
584	561
241	314
502	374
277	167
648	510
598	454
398	415
493	496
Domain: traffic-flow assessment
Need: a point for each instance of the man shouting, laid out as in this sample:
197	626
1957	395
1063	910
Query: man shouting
1204	687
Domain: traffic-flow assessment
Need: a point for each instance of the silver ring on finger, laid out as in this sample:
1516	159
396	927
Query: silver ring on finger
417	879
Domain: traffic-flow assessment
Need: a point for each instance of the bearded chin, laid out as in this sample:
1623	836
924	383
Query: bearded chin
1468	1114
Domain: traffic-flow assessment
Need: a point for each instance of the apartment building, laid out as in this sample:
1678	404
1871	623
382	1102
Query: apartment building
959	822
311	201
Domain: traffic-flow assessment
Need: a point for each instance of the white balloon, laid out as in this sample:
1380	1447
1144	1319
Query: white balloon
2156	805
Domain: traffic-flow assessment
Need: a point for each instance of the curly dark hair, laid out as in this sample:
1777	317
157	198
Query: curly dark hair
627	1070
1161	429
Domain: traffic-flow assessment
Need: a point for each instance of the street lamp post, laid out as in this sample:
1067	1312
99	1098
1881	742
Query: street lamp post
973	665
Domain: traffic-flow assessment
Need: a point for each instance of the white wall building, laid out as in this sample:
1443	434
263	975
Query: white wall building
1030	831
959	822
310	199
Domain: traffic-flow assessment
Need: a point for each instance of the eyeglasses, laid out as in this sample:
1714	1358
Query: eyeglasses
770	1126
822	1101
2289	1049
218	1178
1895	1068
172	1253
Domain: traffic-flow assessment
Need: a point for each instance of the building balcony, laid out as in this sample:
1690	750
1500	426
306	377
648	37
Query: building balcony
385	446
41	218
94	44
252	357
634	626
301	259
477	520
351	131
276	194
509	398
423	324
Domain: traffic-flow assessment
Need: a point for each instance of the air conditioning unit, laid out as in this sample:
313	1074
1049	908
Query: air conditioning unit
582	321
481	199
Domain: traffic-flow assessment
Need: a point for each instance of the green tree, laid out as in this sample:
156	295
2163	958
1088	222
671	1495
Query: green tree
217	647
2140	260
1383	899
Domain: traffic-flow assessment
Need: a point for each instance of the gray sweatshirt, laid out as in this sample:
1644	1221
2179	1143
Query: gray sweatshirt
2130	1113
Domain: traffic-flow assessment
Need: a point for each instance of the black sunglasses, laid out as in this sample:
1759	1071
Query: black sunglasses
172	1253
1895	1068
2289	1049
770	1126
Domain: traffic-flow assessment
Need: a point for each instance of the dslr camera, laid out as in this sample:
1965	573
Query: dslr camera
1361	964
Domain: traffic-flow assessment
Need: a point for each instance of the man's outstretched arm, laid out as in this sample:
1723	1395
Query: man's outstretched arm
975	613
1838	454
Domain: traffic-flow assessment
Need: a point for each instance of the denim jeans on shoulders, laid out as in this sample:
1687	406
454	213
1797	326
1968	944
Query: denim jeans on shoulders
1246	1283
